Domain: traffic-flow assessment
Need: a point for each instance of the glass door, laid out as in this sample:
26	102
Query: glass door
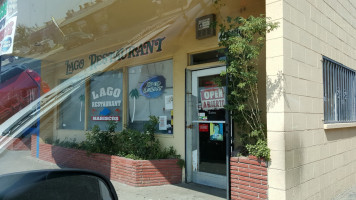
207	134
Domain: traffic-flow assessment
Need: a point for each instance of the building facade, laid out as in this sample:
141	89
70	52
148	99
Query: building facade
124	61
147	59
313	154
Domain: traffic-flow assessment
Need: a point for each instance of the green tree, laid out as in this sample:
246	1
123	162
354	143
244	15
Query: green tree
22	36
243	40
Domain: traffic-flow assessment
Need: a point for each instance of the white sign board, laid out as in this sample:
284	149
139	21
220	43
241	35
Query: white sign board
212	98
7	36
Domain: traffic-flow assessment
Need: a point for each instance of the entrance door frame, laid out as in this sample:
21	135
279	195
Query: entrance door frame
191	174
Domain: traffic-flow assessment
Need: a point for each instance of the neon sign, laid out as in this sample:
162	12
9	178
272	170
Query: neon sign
153	87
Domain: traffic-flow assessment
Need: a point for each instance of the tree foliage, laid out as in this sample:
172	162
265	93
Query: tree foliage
243	40
22	35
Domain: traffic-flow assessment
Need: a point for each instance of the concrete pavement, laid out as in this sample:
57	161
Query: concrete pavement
15	161
180	191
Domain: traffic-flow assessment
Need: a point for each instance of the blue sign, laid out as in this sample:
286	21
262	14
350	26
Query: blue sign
105	112
6	44
153	87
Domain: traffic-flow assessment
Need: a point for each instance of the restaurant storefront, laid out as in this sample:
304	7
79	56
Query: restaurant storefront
92	62
141	65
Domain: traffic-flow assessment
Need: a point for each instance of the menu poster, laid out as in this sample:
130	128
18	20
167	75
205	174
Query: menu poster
168	102
162	123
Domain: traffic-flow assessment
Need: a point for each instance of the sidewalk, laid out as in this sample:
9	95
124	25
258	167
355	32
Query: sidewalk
184	191
15	161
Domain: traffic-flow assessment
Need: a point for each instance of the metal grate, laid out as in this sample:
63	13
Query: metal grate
339	92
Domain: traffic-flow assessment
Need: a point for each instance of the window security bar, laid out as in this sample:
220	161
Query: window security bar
339	92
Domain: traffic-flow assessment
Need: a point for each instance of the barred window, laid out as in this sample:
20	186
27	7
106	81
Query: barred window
339	92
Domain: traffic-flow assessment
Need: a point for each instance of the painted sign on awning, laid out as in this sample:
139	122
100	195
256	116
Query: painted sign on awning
212	98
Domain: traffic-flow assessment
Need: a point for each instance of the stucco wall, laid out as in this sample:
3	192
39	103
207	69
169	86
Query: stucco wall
308	161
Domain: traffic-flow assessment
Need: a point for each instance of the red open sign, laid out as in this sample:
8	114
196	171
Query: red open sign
212	98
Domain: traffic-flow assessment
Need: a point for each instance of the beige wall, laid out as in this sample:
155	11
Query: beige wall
308	161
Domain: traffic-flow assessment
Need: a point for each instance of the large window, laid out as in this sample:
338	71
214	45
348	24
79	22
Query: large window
339	92
151	94
72	109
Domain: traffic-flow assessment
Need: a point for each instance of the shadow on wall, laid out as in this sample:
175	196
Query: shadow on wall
274	89
340	133
274	92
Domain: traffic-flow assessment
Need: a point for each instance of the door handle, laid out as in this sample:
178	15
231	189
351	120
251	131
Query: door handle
190	126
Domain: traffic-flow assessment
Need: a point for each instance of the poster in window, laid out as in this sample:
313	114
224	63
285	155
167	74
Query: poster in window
203	127
216	132
168	99
162	123
106	99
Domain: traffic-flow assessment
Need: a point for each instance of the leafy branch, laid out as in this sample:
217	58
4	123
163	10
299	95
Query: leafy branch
244	40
